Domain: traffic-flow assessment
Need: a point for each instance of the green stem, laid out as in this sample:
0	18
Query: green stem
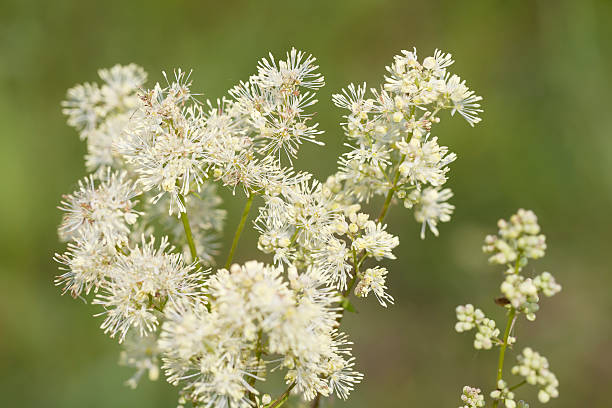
389	197
381	217
356	264
258	353
514	387
349	287
294	236
502	349
245	214
281	400
188	234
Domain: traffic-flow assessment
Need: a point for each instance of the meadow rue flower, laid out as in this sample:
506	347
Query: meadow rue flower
471	398
389	127
535	369
89	104
164	146
376	242
160	151
374	280
103	208
101	112
141	283
275	103
430	207
86	263
425	161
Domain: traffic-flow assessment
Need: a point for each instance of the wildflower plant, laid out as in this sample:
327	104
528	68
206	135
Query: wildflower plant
518	240
142	228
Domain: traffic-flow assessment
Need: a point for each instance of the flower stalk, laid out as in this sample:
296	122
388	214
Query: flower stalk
519	240
188	233
238	233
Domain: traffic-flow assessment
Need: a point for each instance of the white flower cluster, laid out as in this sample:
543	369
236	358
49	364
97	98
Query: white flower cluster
547	284
487	334
141	283
472	398
307	226
157	156
520	240
393	151
534	367
373	280
503	394
254	309
103	209
100	113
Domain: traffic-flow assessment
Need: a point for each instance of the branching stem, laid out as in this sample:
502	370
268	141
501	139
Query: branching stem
188	234
502	349
258	354
245	214
391	192
356	262
281	400
514	387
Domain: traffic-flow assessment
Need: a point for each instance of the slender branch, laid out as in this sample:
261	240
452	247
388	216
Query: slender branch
281	400
188	234
511	318
502	349
350	285
245	214
514	387
381	217
258	352
347	291
389	197
385	207
355	275
357	263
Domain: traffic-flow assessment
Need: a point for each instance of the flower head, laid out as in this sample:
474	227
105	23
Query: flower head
472	398
431	207
535	369
141	282
520	237
103	208
164	145
376	241
374	280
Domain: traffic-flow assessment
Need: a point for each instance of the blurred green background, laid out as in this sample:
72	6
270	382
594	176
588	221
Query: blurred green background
545	143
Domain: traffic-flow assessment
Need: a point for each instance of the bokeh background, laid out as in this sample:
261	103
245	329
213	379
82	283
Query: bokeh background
543	68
